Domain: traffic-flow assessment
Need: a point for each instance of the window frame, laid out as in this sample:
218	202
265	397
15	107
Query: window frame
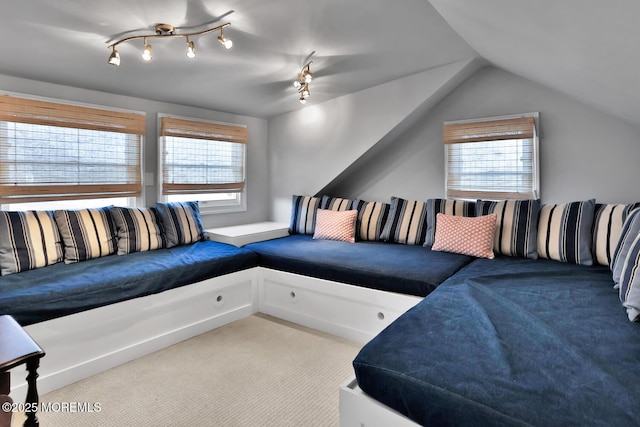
237	204
474	194
33	110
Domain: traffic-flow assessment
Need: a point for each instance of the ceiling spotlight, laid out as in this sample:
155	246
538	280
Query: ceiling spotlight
225	41
114	58
146	53
167	31
191	49
302	82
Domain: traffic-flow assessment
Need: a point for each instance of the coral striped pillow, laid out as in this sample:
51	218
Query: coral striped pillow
465	235
336	225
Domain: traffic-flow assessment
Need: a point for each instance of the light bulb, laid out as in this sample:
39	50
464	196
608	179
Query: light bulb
191	50
114	58
297	84
225	41
303	101
146	54
308	77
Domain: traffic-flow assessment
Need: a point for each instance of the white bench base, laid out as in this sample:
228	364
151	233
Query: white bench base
87	343
359	410
351	312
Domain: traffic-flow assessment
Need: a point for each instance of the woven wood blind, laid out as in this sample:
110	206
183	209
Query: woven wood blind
491	130
491	159
202	157
56	151
22	110
173	126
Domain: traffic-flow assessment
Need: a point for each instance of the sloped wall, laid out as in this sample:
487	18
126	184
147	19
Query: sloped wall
584	153
309	148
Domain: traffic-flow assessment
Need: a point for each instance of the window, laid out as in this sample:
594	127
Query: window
495	158
52	151
203	161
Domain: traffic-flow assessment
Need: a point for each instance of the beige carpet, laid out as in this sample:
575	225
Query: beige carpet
258	371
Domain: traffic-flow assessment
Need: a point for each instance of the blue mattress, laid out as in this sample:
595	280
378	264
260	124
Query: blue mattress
511	342
61	289
407	269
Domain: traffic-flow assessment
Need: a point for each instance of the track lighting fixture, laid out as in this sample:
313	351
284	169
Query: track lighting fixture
164	31
305	76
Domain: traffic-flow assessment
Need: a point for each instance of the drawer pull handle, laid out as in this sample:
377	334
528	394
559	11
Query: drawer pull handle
292	294
380	315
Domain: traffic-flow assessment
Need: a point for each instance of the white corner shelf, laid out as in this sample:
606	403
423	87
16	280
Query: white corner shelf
240	235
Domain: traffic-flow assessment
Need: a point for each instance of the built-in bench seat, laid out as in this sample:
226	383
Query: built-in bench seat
405	269
511	342
62	289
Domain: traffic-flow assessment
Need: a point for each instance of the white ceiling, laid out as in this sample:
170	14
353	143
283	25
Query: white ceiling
587	49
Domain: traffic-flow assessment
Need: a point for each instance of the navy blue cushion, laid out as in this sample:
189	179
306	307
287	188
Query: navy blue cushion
407	269
61	289
510	341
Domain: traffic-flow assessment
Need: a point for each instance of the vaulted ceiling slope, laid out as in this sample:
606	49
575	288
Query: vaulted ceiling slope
587	49
357	43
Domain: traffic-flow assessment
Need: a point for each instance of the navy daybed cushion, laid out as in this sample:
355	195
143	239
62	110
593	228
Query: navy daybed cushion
511	342
61	289
407	269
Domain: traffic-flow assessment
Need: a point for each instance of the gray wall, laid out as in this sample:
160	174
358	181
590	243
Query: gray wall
257	169
584	153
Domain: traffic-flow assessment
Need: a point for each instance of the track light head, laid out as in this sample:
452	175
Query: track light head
147	54
114	58
227	43
191	49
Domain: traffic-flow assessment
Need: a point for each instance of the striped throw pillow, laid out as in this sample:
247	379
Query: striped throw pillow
516	226
303	214
564	232
627	267
337	203
372	217
181	223
138	229
86	233
630	229
607	226
449	207
336	225
28	240
407	222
